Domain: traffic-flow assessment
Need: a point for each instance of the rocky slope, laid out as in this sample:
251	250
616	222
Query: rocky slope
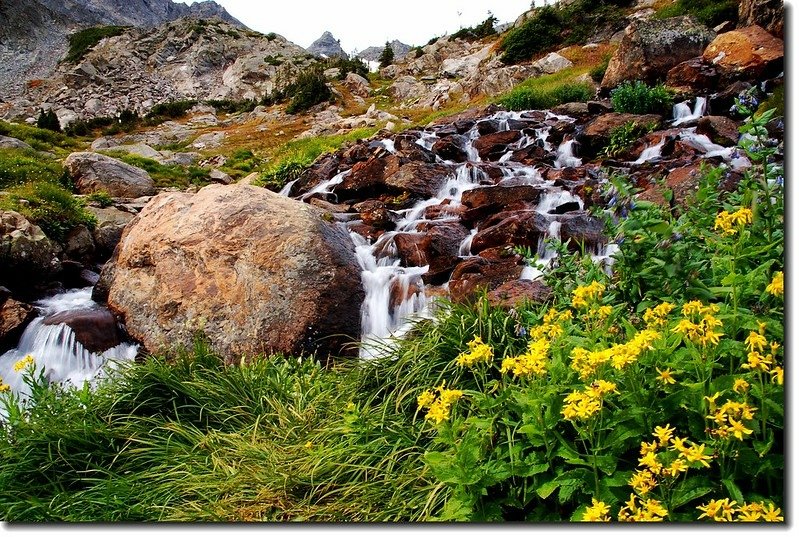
372	54
185	59
33	35
327	46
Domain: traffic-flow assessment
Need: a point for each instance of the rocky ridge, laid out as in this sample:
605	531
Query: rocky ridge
327	46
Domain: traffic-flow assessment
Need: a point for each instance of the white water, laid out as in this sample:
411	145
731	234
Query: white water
682	113
651	153
566	158
287	189
55	351
326	187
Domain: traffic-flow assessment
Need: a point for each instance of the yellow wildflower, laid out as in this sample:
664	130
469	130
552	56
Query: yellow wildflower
678	444
439	407
749	512
653	511
729	222
719	510
771	514
4	387
665	376
696	453
598	512
711	399
755	341
584	293
580	405
478	352
600	388
425	399
664	434
651	461
755	360
777	375
651	447
777	285
676	467
740	386
23	363
642	481
712	509
308	444
692	307
738	430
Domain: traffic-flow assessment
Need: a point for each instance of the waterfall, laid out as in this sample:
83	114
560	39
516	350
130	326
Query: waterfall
566	158
55	350
651	152
682	113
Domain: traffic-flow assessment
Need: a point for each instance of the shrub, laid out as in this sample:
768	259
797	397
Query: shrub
709	12
101	198
536	35
274	61
48	120
621	138
545	92
171	109
282	174
165	175
638	98
598	72
230	106
346	65
19	166
271	36
308	90
39	139
474	33
49	206
84	40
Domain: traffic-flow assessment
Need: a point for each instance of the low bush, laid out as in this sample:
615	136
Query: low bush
639	98
39	139
545	92
165	175
48	120
50	206
83	41
536	35
101	198
308	90
709	12
475	33
623	137
230	106
171	109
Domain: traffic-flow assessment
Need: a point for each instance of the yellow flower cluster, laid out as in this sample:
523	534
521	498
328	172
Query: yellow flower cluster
586	363
650	510
582	405
652	465
729	418
598	512
533	362
777	285
724	510
729	223
3	386
585	293
701	332
439	407
767	363
551	327
656	317
23	363
478	352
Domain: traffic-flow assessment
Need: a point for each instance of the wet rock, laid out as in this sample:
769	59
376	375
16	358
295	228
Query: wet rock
572	109
93	172
746	54
484	201
720	102
599	107
516	293
532	155
650	48
367	175
27	256
323	169
451	148
596	134
419	178
720	129
520	228
477	274
95	329
14	317
79	244
493	146
407	147
374	213
255	271
582	229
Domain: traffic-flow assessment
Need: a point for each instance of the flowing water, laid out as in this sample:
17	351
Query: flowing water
56	352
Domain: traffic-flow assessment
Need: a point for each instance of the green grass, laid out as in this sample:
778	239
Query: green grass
50	206
547	91
164	175
20	166
639	98
41	139
83	41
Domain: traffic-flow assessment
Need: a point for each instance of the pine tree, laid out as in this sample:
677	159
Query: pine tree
387	56
48	120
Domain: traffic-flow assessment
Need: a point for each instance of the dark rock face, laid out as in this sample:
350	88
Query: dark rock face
693	75
14	317
720	129
493	146
522	228
95	329
768	14
478	274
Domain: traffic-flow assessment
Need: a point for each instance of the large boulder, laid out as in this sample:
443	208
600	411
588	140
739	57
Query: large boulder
748	53
255	271
650	48
768	14
96	329
93	172
27	256
107	232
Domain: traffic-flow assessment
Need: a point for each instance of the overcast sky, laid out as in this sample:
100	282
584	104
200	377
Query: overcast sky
362	23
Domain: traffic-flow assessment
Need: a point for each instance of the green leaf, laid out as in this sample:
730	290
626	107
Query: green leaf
690	490
546	489
733	490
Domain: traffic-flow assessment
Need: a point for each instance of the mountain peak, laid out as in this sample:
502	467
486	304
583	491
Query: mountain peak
327	46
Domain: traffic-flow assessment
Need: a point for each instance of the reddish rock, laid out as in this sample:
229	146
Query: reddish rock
419	178
650	48
436	247
518	229
406	147
14	317
451	148
444	209
493	146
694	75
477	274
581	229
768	14
532	155
516	293
720	129
488	200
255	271
367	175
596	134
748	53
95	329
683	182
323	169
374	213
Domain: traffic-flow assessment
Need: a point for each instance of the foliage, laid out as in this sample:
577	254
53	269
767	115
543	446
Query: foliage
171	109
230	106
347	65
126	121
84	40
598	72
39	139
165	175
475	33
48	120
639	98
308	90
50	206
550	26
387	56
709	12
621	138
101	198
547	91
20	166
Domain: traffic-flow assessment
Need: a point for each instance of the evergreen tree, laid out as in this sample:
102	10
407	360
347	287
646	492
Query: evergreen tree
387	56
48	120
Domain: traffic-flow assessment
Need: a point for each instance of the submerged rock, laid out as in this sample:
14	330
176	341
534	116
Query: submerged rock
254	271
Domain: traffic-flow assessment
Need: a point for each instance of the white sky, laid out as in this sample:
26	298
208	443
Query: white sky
362	23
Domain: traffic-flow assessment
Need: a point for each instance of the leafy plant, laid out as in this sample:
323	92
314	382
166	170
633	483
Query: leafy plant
536	35
101	198
171	109
475	33
708	12
545	92
49	206
639	98
621	138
